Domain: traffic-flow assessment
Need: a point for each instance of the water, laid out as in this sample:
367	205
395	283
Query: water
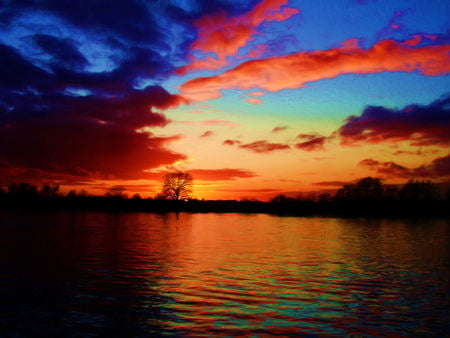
139	275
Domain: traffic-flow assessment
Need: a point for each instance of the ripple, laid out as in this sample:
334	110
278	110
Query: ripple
222	275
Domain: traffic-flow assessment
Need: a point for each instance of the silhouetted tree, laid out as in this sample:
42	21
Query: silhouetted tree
279	199
176	186
367	188
419	191
325	197
22	190
49	190
72	194
391	193
116	191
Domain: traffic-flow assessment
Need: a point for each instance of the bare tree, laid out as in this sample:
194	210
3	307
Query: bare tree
177	186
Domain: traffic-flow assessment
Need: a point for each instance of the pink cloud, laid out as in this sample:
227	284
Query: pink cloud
211	123
257	93
297	69
254	100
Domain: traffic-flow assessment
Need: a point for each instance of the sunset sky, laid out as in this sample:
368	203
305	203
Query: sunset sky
254	98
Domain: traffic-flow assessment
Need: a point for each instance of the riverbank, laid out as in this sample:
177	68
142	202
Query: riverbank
395	208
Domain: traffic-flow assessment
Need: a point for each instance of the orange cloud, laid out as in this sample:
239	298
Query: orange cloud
258	93
225	174
223	35
297	69
254	100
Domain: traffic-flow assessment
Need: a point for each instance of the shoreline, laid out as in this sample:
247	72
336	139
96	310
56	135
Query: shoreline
369	209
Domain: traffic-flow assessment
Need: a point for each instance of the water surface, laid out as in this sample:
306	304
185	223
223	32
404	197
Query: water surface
103	274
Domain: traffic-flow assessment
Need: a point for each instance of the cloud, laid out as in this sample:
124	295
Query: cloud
439	167
419	125
297	69
211	123
257	93
225	174
76	90
254	100
207	133
331	183
279	129
263	190
262	146
311	142
46	129
231	142
223	35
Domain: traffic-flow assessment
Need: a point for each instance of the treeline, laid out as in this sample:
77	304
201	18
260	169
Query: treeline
371	189
367	197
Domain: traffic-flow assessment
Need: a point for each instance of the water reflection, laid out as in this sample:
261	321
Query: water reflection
145	274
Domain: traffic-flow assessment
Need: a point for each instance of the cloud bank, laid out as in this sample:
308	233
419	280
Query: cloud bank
419	125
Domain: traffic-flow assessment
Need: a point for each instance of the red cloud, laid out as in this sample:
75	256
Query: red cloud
420	125
279	128
439	167
223	35
313	142
264	146
207	133
220	174
297	69
231	142
89	137
84	149
258	146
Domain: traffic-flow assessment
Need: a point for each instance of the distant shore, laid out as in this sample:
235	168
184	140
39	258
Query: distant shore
401	209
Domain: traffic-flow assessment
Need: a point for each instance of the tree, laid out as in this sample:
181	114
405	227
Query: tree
176	186
22	190
366	189
419	191
49	190
117	192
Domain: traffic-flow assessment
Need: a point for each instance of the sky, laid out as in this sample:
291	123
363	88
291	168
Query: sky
254	98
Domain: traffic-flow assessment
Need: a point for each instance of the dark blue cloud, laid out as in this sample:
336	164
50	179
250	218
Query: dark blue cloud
78	79
419	125
63	52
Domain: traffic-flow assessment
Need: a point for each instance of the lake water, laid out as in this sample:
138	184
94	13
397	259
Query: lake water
139	275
